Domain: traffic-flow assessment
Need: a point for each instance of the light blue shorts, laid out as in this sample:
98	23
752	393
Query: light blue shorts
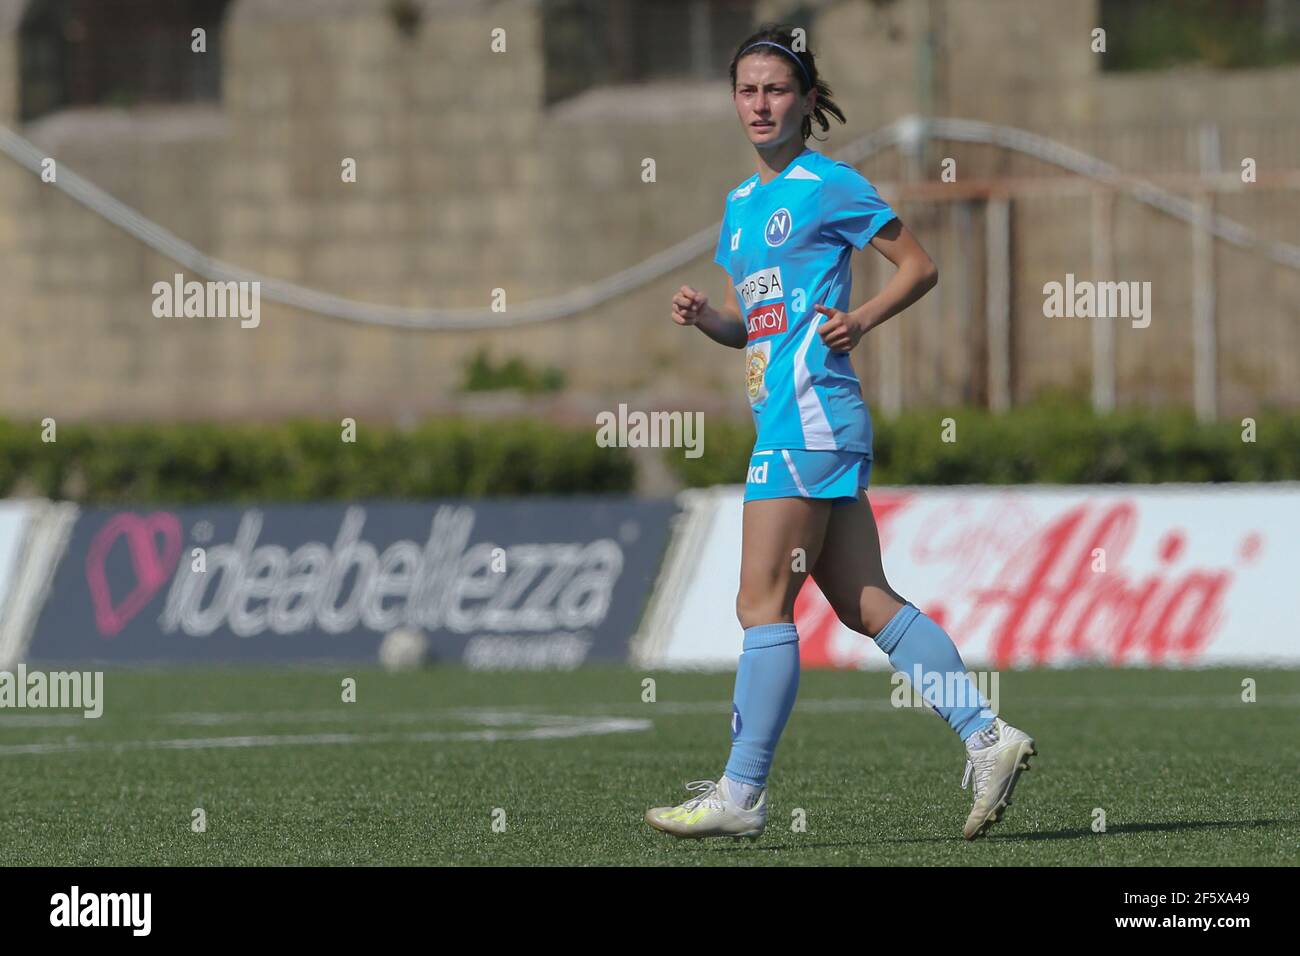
807	474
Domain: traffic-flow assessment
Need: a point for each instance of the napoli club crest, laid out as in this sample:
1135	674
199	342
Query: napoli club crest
778	227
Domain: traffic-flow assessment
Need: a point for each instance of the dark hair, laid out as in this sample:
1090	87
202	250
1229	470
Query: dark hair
807	78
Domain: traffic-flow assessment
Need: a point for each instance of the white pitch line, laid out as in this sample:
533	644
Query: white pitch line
490	715
832	705
346	713
495	717
573	727
29	719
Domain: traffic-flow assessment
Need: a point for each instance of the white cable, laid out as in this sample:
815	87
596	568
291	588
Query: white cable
902	133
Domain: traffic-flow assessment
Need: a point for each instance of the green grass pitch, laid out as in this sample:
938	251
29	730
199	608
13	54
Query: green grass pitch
444	766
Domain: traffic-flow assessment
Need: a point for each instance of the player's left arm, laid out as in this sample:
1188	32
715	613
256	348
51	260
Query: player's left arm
915	275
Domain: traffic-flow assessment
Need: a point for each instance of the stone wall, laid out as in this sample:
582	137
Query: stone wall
466	184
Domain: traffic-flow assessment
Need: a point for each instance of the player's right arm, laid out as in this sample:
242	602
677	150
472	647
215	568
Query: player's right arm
726	326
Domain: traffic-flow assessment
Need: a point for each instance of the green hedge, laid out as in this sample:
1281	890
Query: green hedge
1160	34
1047	444
306	461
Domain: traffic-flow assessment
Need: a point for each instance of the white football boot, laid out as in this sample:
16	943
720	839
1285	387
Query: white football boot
710	814
995	769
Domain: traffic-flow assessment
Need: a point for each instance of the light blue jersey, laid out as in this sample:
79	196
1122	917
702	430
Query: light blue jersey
787	246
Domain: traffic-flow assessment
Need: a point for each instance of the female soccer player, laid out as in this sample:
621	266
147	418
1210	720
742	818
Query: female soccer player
787	236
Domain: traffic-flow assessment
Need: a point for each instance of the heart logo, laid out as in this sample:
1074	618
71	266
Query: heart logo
152	566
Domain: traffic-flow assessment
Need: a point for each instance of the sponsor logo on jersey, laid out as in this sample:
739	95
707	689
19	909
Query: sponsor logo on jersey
778	227
758	474
766	320
735	240
761	286
756	360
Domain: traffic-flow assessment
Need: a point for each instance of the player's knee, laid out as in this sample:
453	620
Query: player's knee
754	609
868	612
877	608
851	617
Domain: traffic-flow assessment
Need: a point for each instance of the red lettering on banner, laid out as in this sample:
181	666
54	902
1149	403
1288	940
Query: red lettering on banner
886	507
1053	605
1046	604
817	624
767	320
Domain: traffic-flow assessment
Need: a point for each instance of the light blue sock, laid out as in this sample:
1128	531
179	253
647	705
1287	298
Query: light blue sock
767	681
914	641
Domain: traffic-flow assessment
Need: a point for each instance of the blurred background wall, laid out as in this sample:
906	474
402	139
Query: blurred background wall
522	170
